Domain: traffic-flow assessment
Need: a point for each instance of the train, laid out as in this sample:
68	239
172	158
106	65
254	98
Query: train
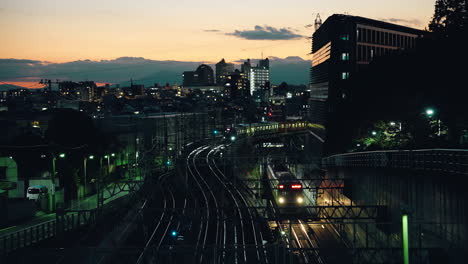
265	128
287	190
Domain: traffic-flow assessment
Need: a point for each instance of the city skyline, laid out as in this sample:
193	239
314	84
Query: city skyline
177	31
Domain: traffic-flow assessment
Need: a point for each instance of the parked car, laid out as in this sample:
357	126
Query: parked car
36	192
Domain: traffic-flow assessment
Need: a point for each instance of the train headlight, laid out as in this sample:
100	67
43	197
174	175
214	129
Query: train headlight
300	200
281	200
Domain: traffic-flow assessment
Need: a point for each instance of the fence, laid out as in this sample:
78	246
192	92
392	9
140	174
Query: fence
45	230
442	160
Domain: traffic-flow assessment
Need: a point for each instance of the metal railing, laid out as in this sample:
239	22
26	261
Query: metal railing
45	230
442	160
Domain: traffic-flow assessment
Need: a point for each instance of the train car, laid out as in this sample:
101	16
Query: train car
288	194
266	128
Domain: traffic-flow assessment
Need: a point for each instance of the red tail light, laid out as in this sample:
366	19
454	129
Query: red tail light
281	186
296	186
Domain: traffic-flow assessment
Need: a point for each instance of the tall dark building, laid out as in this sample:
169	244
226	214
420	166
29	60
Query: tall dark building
222	70
342	46
202	76
237	85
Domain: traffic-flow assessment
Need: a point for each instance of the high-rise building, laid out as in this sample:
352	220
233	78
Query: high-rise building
222	70
202	76
237	85
259	76
342	46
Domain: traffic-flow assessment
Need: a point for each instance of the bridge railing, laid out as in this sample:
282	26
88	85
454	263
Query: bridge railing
441	160
37	233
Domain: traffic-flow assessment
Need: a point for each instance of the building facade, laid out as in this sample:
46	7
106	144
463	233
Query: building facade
202	76
223	69
344	45
237	85
258	76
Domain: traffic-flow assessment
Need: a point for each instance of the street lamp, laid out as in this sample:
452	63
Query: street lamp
52	191
85	160
374	133
430	112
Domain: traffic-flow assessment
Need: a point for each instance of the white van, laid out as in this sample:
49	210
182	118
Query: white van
36	192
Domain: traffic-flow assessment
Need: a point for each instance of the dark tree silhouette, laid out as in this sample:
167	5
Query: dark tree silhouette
450	17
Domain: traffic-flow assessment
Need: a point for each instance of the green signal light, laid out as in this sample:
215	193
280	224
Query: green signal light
62	155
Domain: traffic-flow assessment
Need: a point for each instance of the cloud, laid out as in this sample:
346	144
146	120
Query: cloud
406	22
212	30
266	33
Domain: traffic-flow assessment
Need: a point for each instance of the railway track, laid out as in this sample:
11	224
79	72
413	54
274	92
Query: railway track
211	218
250	232
153	243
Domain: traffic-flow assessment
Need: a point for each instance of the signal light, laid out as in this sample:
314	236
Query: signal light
296	186
281	186
174	233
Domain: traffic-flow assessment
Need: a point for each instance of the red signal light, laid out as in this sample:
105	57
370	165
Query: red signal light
270	114
281	186
296	186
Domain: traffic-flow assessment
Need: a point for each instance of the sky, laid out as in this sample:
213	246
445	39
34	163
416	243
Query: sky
60	31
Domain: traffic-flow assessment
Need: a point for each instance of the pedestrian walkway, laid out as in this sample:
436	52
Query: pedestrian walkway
41	217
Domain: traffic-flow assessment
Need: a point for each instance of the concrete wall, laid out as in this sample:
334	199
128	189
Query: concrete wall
435	198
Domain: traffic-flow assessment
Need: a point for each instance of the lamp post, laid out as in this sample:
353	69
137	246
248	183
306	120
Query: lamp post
430	112
108	164
85	160
52	191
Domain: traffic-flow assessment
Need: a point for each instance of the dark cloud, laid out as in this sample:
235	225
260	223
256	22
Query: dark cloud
406	22
266	33
212	30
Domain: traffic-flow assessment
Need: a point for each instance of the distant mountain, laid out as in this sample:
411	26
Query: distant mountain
293	70
7	87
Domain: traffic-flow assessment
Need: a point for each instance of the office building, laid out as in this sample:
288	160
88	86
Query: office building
222	70
344	45
202	76
258	76
237	85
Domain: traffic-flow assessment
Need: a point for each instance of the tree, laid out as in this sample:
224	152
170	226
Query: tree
450	17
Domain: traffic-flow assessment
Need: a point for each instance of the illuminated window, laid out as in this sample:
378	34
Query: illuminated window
345	56
345	75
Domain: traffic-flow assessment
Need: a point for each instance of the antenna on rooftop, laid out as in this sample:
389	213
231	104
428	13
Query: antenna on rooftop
318	22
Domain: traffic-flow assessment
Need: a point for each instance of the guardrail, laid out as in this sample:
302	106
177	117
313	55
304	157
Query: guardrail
442	160
45	230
